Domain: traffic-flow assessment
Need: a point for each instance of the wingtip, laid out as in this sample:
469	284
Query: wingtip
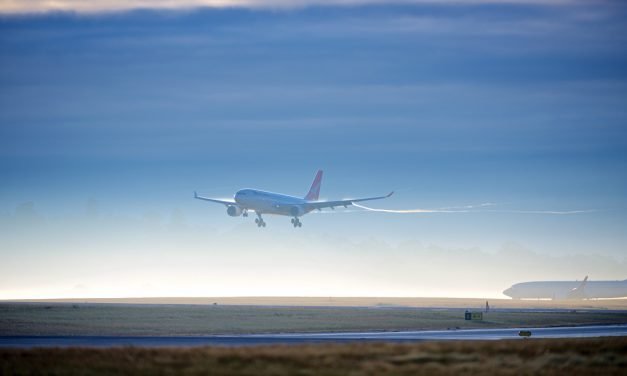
195	194
390	194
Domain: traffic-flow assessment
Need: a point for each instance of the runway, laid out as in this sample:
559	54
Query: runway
303	338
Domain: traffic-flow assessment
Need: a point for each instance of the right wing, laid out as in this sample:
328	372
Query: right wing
332	204
223	202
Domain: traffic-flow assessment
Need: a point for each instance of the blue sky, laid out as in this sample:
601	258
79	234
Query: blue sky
110	120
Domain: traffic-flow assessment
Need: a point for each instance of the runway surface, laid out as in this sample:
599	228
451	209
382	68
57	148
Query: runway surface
302	338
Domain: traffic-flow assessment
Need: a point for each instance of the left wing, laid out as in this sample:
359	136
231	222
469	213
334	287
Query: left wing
332	204
223	202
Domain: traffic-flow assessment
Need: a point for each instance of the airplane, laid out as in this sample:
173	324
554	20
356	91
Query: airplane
262	202
566	290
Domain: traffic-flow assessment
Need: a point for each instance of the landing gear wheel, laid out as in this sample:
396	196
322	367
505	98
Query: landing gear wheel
259	221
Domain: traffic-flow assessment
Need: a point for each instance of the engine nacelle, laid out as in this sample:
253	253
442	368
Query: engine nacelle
296	211
234	211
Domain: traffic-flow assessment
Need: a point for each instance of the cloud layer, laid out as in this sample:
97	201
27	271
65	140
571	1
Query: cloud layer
98	6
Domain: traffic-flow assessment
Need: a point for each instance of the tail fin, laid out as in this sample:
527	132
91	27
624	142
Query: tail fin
314	191
578	292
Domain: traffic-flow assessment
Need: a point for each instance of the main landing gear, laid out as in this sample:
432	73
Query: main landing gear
296	222
259	221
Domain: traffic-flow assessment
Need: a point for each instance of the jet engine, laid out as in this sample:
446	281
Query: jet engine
234	211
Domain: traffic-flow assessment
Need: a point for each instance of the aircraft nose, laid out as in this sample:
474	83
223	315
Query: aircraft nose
508	292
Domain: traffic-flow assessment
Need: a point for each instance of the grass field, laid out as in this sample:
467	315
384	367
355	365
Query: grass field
600	356
145	319
294	301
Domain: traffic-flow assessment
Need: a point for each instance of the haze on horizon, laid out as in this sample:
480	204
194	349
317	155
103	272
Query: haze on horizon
111	117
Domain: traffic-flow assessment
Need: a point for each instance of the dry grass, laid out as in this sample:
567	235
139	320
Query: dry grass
601	356
186	320
616	304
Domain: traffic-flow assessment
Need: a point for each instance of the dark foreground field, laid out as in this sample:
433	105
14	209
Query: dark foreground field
600	356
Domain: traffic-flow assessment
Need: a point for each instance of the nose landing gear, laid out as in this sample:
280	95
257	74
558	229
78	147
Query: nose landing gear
296	222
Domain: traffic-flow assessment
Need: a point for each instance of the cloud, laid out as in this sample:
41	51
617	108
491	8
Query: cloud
99	6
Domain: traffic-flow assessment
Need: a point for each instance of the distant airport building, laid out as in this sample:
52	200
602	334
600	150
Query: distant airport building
563	290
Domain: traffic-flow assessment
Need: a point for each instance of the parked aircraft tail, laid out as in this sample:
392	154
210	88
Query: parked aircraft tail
314	191
578	292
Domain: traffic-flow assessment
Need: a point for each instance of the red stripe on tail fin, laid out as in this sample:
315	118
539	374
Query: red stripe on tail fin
314	191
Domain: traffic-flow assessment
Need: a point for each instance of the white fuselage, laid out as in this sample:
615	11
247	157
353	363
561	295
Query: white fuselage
568	290
270	203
